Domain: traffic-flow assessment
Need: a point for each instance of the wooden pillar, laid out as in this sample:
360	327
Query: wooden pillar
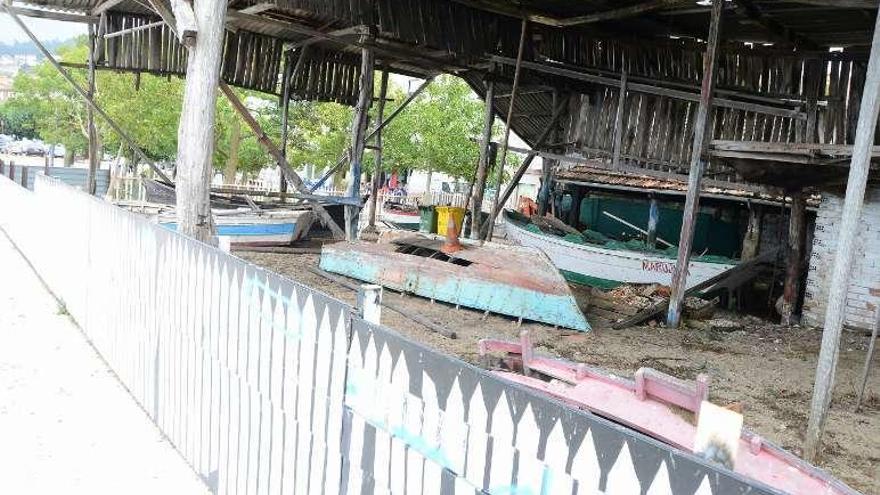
797	234
752	237
849	224
698	163
358	141
285	117
547	167
195	134
618	123
653	220
377	152
92	131
483	165
498	203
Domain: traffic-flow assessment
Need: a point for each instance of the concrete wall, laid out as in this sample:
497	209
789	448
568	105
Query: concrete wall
863	294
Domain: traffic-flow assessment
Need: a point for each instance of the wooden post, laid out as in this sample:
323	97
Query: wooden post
377	153
653	220
285	116
863	384
849	224
483	165
505	143
618	123
698	160
358	141
286	169
195	133
752	237
797	234
547	167
94	160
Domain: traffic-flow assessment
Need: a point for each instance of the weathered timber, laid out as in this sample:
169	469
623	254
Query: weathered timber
185	24
286	169
359	141
55	16
483	166
195	133
618	122
698	165
91	129
837	289
797	234
869	356
377	153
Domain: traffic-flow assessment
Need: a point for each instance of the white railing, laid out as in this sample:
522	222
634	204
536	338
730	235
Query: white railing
267	386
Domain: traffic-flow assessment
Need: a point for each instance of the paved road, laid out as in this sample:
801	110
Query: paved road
66	424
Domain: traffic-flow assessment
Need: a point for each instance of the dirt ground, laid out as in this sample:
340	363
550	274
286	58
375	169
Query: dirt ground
766	367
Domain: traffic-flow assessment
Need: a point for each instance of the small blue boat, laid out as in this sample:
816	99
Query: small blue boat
509	280
269	228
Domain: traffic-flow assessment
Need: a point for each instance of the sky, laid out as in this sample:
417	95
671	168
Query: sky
44	29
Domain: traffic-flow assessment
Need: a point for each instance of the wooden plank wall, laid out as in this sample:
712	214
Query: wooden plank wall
250	60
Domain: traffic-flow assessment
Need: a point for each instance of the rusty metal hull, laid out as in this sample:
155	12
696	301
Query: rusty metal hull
513	281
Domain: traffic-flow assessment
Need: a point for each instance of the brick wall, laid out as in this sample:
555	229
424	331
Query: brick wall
863	293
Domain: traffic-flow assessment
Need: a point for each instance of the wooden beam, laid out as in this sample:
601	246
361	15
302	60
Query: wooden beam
846	241
135	29
490	227
185	22
866	370
698	163
286	169
618	13
91	129
112	123
105	6
258	7
482	173
618	122
377	154
651	88
359	140
750	10
55	16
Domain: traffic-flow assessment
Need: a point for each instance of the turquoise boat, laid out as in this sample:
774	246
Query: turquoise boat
516	281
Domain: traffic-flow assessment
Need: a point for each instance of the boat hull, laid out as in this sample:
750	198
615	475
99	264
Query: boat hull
606	268
482	278
403	221
258	230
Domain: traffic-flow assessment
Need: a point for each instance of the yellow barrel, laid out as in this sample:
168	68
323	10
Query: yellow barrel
443	214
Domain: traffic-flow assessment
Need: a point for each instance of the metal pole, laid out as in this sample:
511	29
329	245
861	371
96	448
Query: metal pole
131	144
852	209
505	143
483	166
377	152
695	177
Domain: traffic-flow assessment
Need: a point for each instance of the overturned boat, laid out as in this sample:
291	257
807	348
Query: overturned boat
660	406
508	280
606	264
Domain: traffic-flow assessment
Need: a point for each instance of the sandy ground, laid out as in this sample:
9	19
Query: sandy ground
768	368
66	424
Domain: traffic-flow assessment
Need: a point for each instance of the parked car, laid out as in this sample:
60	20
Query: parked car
59	151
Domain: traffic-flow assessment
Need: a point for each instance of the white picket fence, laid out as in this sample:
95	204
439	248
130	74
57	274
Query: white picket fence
266	386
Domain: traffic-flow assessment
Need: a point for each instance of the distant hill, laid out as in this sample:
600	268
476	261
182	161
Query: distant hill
28	48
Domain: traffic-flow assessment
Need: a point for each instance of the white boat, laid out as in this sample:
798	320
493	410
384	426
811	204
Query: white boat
245	227
605	268
400	216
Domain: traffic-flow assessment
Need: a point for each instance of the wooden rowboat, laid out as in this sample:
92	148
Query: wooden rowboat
245	228
604	267
400	215
508	280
